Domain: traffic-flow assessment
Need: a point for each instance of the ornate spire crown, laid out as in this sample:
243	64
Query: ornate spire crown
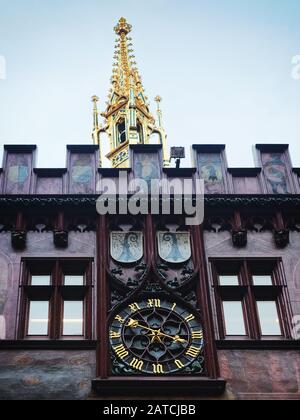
127	116
125	73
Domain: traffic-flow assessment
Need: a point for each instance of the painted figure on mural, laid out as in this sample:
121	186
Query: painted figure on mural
82	170
174	247
275	171
3	295
18	174
126	247
211	172
147	167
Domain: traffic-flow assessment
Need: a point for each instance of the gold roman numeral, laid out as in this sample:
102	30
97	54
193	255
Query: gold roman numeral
121	351
193	351
179	364
113	334
189	318
158	369
120	319
154	303
197	335
174	306
134	307
137	364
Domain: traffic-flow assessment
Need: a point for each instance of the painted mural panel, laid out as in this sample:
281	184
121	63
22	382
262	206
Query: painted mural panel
147	167
126	247
275	173
174	248
210	166
18	173
82	178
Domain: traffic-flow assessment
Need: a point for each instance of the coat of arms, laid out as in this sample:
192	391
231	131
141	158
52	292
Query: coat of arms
174	248
126	247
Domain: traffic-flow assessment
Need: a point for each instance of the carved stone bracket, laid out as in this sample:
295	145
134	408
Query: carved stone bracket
18	239
61	238
282	238
240	238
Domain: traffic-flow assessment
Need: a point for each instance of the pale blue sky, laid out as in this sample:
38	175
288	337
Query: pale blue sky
223	68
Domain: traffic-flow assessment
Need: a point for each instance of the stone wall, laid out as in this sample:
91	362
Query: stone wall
254	375
46	375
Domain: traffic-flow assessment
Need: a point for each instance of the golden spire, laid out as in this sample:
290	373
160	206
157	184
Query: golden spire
122	75
127	116
125	73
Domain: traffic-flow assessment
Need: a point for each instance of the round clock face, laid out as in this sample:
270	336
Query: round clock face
156	337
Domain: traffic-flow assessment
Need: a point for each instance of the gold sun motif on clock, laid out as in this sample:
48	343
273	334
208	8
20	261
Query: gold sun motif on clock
156	336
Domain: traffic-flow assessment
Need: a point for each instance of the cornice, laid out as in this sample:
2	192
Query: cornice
272	148
209	148
22	148
80	148
146	148
218	201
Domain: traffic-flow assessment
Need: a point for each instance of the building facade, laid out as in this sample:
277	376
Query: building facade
143	304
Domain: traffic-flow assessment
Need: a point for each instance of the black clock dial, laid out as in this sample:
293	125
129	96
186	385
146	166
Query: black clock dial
156	336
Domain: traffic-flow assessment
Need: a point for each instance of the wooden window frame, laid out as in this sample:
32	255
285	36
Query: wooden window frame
56	294
249	294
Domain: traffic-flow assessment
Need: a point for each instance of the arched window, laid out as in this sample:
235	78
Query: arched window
121	131
140	133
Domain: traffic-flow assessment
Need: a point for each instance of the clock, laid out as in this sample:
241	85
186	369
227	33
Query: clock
156	336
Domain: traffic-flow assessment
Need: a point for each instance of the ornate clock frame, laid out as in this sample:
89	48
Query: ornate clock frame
152	277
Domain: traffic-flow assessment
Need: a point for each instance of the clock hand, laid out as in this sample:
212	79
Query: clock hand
134	324
176	338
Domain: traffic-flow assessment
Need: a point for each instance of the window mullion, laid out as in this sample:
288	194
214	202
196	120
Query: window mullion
55	305
23	303
250	303
219	304
88	304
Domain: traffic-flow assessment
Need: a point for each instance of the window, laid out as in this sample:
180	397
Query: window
269	318
40	280
234	318
229	280
38	323
56	299
73	280
251	300
73	318
140	133
121	127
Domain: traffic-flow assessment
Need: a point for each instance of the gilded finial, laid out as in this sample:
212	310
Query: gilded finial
158	100
97	127
95	99
123	27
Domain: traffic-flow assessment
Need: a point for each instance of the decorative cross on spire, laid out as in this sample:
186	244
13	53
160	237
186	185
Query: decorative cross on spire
123	27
